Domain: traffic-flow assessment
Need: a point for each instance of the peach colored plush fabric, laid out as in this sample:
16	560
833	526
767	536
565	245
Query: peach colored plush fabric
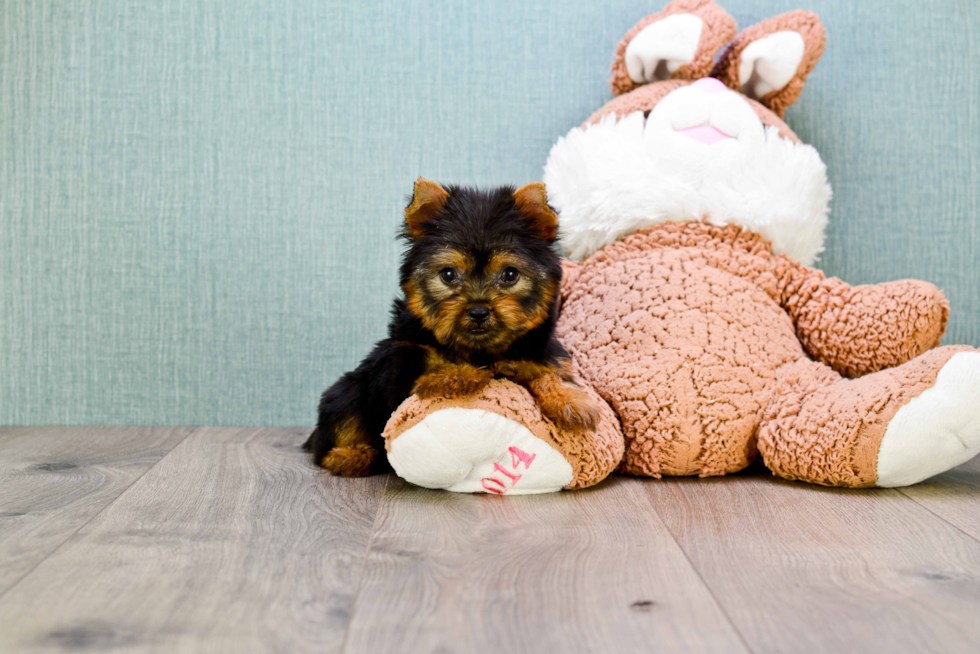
718	29
827	430
592	455
814	39
687	330
709	349
862	329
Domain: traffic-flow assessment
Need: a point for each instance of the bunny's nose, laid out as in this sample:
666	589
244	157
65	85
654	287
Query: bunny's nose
479	314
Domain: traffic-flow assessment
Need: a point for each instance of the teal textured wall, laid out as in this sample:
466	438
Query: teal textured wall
198	197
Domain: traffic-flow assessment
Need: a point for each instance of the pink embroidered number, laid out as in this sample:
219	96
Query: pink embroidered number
518	455
497	486
513	476
486	481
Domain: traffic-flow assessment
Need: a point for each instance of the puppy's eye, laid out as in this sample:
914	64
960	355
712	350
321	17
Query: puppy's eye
448	275
510	275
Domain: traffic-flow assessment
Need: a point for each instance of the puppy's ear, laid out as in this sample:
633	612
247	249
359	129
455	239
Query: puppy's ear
532	201
428	199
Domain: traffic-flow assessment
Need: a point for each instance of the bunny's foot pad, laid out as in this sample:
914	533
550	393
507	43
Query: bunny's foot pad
477	451
938	430
497	441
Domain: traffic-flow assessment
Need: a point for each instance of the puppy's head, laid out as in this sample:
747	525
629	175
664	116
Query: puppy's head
480	270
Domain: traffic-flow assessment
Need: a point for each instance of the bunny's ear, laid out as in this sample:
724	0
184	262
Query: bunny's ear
679	42
770	61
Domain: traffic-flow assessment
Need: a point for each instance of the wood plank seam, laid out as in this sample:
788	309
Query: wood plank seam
807	568
82	526
954	526
364	564
588	571
711	591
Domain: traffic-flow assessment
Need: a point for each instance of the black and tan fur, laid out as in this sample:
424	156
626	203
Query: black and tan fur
480	280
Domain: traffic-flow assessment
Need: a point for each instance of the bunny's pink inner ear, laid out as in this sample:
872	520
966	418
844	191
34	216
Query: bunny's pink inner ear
770	62
679	42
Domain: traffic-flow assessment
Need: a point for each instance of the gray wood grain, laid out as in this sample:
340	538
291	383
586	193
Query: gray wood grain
954	496
800	568
588	571
55	479
229	540
231	543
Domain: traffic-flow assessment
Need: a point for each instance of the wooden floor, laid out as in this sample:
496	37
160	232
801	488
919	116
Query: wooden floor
130	539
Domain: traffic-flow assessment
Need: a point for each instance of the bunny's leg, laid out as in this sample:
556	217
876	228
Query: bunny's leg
497	441
891	428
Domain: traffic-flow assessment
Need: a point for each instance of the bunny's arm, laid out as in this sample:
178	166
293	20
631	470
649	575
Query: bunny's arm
862	329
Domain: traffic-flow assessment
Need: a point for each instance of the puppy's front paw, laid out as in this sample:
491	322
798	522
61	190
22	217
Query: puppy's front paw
569	407
452	383
507	368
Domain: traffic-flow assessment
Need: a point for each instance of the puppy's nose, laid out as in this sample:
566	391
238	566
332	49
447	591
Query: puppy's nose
479	314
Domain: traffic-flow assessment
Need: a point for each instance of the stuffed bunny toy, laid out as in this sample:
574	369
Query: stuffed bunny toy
692	215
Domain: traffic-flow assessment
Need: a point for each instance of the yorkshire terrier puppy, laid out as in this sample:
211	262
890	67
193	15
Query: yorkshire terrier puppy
480	281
